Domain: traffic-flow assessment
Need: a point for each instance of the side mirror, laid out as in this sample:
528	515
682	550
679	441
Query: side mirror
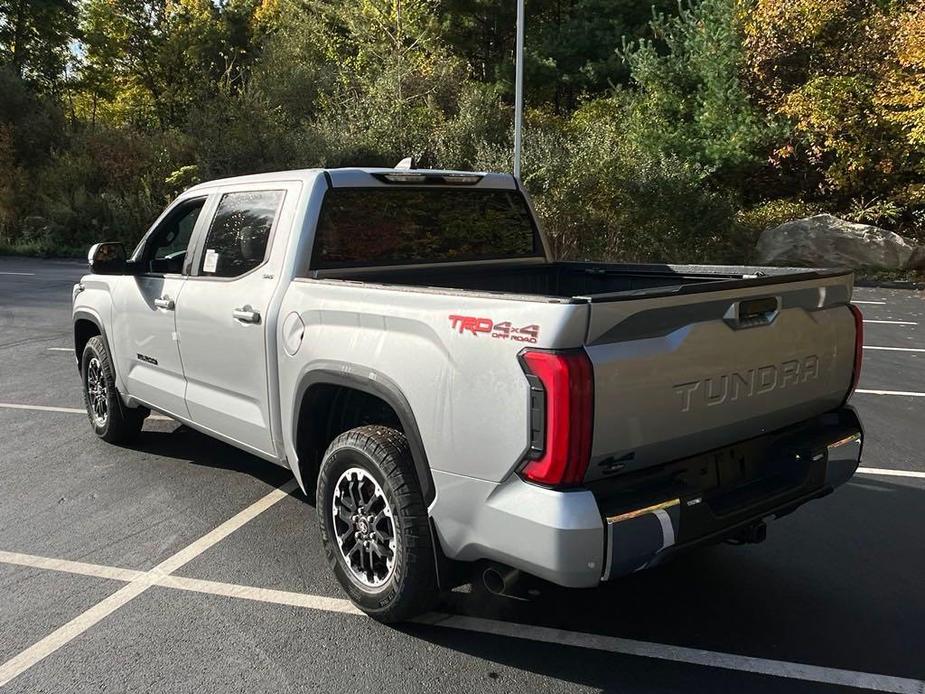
108	258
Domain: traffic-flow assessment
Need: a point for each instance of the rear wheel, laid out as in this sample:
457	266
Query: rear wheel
374	524
111	420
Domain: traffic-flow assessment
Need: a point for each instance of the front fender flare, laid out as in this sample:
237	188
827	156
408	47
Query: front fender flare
86	314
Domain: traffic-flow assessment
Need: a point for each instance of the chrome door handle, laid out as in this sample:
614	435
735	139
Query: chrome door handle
246	315
165	303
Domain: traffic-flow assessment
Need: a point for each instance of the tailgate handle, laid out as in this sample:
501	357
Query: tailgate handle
748	314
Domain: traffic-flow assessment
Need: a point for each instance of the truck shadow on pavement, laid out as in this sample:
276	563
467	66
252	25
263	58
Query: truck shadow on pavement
179	442
838	584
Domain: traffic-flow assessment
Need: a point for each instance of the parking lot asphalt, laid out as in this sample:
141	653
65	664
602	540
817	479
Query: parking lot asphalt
174	565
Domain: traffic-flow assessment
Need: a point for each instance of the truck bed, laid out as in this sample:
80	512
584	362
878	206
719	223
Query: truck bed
578	280
685	358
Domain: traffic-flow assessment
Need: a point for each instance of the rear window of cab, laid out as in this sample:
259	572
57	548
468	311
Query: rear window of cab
414	226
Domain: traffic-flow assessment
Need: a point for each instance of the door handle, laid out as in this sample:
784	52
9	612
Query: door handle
246	315
165	303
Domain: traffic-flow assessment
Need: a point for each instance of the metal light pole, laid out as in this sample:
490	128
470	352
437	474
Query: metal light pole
519	88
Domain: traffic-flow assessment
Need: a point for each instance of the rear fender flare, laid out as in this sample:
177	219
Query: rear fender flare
376	384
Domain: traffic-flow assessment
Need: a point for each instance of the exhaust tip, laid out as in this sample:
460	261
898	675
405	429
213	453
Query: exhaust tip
500	580
493	581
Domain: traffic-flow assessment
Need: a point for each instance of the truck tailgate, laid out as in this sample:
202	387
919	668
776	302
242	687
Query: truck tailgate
680	374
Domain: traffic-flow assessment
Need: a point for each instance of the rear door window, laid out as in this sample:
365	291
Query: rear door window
239	235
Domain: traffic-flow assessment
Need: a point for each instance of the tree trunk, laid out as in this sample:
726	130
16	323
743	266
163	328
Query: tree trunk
19	31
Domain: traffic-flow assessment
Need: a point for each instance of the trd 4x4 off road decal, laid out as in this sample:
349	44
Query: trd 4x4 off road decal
499	331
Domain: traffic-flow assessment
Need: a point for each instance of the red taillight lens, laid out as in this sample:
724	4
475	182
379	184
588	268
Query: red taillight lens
858	346
560	455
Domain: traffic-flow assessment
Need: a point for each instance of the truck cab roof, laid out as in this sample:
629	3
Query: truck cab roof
352	177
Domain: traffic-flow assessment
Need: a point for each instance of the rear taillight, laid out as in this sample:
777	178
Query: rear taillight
858	346
562	393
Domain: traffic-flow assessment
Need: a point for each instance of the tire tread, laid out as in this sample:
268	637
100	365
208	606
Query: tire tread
416	587
124	423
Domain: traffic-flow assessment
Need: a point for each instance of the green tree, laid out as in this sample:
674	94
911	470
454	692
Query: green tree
35	37
571	46
653	130
848	76
148	63
32	128
901	94
690	98
482	32
374	76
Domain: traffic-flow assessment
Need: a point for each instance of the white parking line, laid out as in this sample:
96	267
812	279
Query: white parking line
68	410
60	349
878	303
681	654
192	551
907	393
891	322
20	274
891	472
896	349
18	664
278	597
41	408
71	567
576	639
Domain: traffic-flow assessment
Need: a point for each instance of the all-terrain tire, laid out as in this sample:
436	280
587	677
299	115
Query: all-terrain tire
110	419
409	587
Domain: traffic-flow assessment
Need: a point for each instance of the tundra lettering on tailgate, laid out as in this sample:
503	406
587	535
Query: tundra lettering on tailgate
717	390
499	331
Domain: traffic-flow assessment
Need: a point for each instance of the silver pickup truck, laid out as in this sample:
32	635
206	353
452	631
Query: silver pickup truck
452	397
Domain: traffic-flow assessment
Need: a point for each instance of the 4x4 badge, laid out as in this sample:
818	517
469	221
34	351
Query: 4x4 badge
500	331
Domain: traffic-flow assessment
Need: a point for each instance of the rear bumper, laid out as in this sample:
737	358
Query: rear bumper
579	538
558	536
716	495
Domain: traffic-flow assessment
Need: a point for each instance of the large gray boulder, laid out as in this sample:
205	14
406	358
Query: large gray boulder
917	261
827	241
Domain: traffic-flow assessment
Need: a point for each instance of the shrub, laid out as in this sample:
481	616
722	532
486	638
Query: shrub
603	197
690	101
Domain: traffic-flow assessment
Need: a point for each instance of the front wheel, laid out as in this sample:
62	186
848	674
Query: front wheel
111	420
374	524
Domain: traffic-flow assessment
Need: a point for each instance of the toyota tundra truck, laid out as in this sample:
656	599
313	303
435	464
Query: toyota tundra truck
451	396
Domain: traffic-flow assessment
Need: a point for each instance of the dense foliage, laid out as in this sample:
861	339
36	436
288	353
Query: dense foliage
654	130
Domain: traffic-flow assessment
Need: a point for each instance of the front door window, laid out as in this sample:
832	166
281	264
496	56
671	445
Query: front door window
166	248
